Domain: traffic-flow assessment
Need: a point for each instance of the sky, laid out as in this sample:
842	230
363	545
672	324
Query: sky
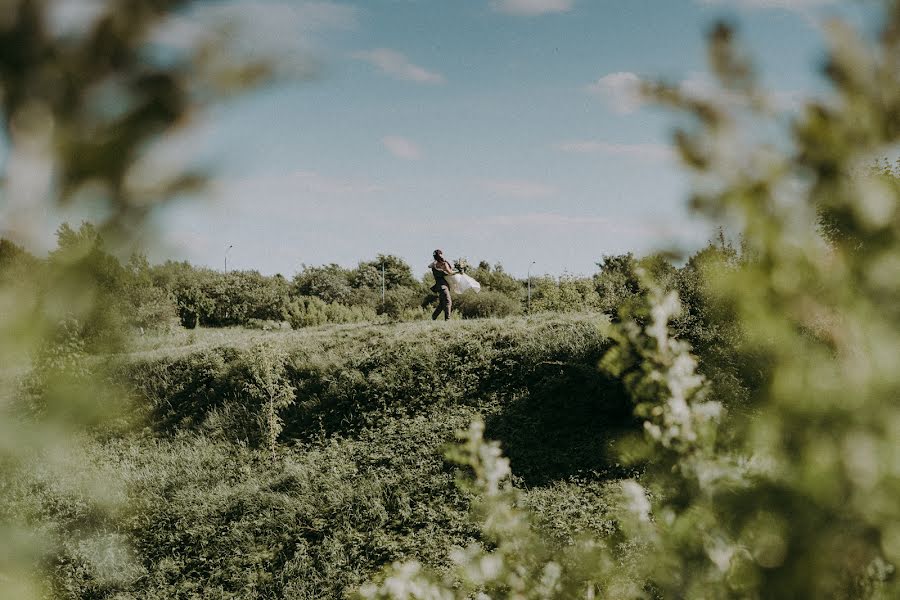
498	130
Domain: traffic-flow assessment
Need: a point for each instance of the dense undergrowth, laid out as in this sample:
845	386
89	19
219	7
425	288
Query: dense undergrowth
358	480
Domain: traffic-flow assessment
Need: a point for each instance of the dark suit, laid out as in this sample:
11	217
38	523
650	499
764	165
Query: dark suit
440	270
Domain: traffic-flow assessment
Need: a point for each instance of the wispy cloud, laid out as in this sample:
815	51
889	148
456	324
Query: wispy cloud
793	5
397	65
647	152
402	147
517	188
280	20
296	194
621	91
531	8
545	221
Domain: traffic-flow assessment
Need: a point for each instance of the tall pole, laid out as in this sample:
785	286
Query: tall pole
226	256
382	285
528	309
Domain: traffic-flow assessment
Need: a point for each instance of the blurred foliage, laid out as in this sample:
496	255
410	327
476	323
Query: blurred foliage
87	104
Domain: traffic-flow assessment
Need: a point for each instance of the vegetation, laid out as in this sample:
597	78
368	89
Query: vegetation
738	439
318	455
138	295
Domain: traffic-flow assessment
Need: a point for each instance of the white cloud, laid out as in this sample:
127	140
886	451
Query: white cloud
650	152
518	188
396	65
531	8
621	91
402	147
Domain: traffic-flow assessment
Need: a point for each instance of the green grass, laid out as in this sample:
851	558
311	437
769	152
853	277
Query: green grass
359	480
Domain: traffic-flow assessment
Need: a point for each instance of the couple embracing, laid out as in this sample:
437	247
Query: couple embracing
445	280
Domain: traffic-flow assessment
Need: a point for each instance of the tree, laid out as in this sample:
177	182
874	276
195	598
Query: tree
331	283
496	279
397	273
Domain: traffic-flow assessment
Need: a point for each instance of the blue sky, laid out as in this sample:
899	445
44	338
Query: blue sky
502	130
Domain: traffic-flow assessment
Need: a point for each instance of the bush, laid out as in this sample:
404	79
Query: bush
309	311
401	301
330	283
358	480
496	280
156	309
568	294
471	305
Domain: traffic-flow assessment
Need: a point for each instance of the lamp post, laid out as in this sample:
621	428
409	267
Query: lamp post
226	256
528	309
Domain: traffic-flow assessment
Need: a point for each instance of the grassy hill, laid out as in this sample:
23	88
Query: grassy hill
202	509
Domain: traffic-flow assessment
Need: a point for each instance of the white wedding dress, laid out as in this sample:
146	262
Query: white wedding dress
460	283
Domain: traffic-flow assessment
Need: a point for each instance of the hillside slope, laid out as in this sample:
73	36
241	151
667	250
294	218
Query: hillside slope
358	480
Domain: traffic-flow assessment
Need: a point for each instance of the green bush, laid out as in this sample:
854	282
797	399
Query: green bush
401	302
471	305
495	279
329	283
310	311
567	294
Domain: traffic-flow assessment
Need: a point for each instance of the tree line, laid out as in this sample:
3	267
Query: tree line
135	294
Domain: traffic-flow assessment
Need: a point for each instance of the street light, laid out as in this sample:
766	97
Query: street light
528	309
226	256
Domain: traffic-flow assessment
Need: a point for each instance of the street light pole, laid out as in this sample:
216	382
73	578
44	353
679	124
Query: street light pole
528	309
226	256
382	285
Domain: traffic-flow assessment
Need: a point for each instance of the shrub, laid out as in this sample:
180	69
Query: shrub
308	311
330	283
267	386
568	294
401	301
497	280
154	309
471	305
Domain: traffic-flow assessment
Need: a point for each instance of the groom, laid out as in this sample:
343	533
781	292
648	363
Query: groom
440	268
